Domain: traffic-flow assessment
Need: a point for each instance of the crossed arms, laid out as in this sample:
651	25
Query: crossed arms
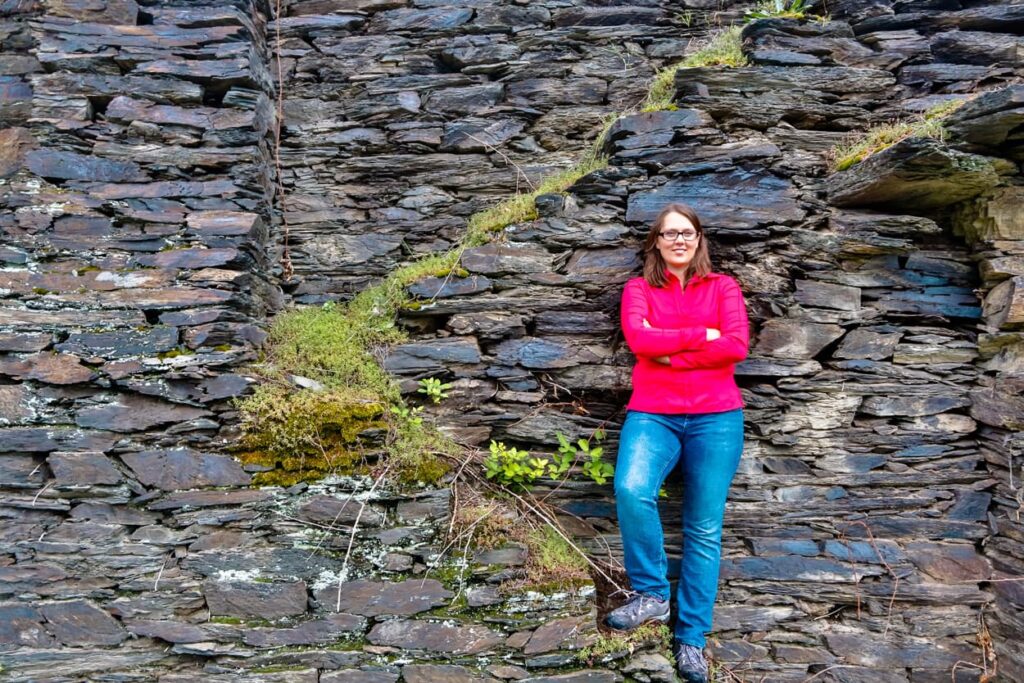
687	348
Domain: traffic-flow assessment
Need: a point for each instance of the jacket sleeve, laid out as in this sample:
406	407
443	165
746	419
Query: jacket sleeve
653	341
732	346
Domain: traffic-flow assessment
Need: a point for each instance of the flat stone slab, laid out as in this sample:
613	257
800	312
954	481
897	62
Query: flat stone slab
435	637
443	673
255	600
735	200
82	623
184	468
321	631
83	469
916	172
374	599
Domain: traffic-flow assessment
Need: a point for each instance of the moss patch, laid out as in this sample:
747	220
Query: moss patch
305	435
657	637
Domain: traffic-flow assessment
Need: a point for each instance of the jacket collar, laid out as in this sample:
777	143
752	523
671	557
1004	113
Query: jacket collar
670	276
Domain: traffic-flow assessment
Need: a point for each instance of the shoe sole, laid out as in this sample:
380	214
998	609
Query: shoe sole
663	619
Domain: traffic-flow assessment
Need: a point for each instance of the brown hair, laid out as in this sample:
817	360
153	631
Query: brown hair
654	264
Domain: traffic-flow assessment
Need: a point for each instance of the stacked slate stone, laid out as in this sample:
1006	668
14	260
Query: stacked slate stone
135	199
883	391
881	485
404	118
136	192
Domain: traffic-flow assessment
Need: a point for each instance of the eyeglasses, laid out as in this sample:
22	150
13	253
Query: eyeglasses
673	235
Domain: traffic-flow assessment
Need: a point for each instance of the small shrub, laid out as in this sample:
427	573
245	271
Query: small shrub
513	467
723	48
594	465
928	125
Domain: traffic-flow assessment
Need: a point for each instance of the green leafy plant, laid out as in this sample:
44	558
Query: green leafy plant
411	415
777	9
563	459
434	389
510	466
593	466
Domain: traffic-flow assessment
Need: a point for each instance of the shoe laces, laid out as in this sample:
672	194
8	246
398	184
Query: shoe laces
632	595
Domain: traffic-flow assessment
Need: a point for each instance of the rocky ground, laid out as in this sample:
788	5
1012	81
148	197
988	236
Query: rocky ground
874	530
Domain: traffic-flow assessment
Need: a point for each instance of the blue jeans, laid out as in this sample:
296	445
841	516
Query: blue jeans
651	444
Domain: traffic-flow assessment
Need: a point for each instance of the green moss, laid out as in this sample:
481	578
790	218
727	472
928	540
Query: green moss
653	636
723	48
305	435
225	620
40	291
175	352
883	136
222	347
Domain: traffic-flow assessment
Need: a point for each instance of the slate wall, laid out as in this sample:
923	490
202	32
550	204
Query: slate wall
875	496
141	256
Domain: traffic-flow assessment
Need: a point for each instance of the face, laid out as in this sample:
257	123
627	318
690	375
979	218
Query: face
679	252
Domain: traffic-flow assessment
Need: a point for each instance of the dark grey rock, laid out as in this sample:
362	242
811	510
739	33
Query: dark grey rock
920	172
83	469
82	623
135	414
435	637
442	673
322	631
184	468
255	600
21	625
374	599
431	356
733	201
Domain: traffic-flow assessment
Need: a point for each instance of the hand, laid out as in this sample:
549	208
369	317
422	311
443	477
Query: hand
646	324
713	334
664	360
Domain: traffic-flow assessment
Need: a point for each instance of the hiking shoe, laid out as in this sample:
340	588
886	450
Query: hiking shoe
690	662
640	609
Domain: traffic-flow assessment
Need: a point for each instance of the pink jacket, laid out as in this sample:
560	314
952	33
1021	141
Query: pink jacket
700	378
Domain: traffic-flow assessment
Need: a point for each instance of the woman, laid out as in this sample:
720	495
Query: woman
687	327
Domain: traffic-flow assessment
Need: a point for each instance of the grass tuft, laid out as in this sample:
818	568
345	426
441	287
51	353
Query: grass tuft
552	561
777	9
723	48
928	125
646	636
520	208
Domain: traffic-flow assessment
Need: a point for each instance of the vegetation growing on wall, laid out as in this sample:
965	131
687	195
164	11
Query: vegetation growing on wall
777	9
722	49
927	125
